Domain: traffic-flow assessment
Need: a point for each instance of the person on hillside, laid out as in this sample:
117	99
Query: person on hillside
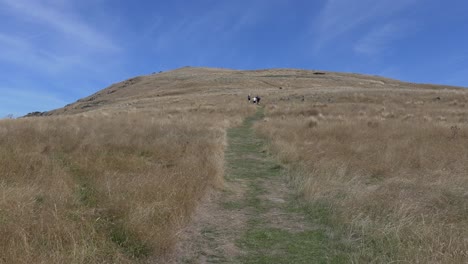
258	99
248	98
254	100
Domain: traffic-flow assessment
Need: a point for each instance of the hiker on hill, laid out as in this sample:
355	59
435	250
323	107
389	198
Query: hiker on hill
248	98
258	99
254	100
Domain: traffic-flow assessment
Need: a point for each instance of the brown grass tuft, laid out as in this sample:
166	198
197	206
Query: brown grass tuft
106	187
394	177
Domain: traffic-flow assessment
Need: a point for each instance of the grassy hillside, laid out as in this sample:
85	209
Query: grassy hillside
115	176
390	167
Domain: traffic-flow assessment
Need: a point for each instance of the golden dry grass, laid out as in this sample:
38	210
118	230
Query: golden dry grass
106	186
390	166
115	176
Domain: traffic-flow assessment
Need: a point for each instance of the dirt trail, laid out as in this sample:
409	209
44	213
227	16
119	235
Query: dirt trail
256	218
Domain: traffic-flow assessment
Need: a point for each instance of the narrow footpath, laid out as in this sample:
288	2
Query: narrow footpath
256	218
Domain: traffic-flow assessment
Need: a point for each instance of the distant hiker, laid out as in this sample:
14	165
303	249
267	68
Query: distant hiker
258	99
254	100
248	98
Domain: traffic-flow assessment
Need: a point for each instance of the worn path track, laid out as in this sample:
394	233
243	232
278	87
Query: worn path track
256	218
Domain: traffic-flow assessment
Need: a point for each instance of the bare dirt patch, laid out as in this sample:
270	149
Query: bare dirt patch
212	234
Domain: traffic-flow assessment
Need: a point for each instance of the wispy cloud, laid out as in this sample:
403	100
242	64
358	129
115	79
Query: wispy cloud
62	21
221	23
15	99
52	46
23	53
379	39
340	17
50	37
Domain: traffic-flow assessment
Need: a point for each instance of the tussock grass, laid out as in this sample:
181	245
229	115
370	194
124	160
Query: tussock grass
105	187
115	177
392	173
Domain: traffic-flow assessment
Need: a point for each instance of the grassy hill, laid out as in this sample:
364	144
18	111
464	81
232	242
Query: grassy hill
115	177
191	83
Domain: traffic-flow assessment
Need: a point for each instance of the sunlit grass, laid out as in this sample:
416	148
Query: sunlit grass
397	186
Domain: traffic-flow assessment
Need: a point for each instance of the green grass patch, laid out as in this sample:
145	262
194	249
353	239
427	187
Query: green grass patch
273	245
247	158
253	199
233	205
131	245
318	212
86	194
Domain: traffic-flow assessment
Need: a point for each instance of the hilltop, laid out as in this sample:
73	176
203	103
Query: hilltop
145	91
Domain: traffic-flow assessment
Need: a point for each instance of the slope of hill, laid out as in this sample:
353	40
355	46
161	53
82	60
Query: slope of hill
366	169
143	91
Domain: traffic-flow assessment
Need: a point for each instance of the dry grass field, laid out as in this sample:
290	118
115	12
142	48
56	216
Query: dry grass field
96	189
115	176
389	166
107	186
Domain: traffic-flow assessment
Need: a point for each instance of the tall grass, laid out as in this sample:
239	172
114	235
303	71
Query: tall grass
104	188
396	185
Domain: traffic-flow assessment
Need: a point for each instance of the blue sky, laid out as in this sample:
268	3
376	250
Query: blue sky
53	52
